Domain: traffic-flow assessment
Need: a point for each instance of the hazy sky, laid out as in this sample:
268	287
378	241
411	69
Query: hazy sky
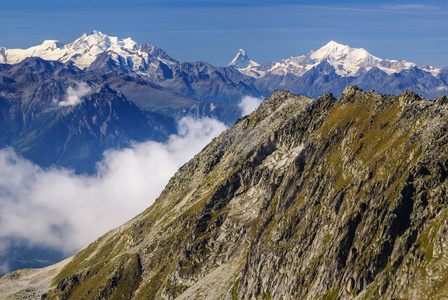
213	31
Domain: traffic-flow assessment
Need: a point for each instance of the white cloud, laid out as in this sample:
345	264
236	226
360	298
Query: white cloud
248	104
442	88
74	95
59	209
4	268
411	7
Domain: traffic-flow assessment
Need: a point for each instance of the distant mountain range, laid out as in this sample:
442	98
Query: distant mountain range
133	93
330	68
334	66
346	61
159	89
38	120
188	83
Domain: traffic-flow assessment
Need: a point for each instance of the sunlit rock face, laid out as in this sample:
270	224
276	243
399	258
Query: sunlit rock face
304	198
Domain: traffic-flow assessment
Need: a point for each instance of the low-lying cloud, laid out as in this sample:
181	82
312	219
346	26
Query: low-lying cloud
248	104
56	208
75	94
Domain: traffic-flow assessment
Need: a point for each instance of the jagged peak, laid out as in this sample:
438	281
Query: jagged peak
242	61
97	33
241	52
351	90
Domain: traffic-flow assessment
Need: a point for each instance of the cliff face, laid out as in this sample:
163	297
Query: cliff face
303	199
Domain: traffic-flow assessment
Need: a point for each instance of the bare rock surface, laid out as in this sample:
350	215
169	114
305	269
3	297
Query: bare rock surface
303	199
29	283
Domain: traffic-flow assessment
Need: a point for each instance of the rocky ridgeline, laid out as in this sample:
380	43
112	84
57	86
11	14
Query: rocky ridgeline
303	199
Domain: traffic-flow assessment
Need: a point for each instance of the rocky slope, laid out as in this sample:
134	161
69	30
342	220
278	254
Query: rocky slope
303	199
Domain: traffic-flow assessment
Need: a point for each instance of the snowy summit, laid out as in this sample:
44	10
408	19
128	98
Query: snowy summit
130	56
347	61
85	50
242	61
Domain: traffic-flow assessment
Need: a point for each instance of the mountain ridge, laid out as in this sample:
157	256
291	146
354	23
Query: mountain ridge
103	54
346	60
96	43
335	66
84	50
166	89
335	198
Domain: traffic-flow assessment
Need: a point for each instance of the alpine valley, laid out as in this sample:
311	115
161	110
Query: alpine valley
324	192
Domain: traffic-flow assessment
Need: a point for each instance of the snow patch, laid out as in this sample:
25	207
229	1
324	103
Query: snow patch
167	62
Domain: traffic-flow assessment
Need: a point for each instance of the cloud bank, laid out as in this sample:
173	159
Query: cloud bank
56	208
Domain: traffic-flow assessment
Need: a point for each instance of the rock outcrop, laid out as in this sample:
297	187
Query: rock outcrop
303	199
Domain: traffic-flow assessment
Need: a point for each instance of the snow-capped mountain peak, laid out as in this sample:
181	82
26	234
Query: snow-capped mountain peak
242	61
332	49
87	48
103	42
345	60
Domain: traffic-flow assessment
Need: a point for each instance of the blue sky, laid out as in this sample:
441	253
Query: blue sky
214	30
